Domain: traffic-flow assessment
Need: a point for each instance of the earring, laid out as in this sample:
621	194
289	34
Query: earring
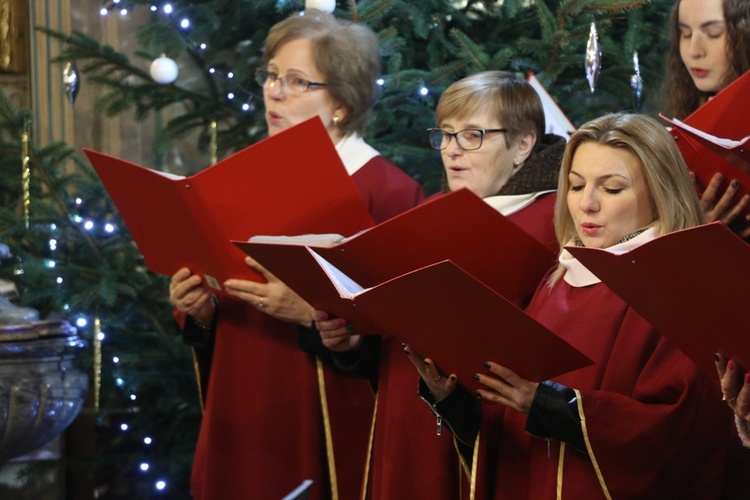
335	120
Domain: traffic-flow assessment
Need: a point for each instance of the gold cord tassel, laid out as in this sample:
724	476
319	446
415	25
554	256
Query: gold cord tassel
214	147
26	177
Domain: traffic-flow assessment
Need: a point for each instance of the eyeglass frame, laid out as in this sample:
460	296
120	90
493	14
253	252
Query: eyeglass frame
454	135
263	78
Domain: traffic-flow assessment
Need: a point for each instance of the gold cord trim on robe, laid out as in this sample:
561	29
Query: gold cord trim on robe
474	460
327	427
463	466
560	462
598	471
197	369
366	479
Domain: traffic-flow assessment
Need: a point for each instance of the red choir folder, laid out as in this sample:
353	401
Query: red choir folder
458	226
446	314
716	138
692	285
293	182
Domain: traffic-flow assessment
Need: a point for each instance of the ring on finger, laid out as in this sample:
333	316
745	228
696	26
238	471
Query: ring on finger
727	399
437	378
260	303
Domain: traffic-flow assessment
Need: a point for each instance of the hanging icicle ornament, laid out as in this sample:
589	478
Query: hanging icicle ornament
593	58
636	82
71	81
324	5
163	70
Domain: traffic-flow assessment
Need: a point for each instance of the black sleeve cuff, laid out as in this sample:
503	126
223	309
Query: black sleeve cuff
309	341
460	410
199	335
554	414
362	362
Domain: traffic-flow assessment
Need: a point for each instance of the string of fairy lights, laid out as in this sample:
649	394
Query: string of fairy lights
165	71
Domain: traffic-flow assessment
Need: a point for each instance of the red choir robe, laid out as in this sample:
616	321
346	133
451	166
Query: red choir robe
264	429
409	459
654	424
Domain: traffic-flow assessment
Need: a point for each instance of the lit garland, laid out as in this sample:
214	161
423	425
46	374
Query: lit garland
246	97
245	103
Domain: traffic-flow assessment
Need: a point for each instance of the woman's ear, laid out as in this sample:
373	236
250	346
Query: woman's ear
524	146
340	113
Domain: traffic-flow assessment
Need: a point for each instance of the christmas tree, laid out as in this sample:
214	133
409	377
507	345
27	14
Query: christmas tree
147	410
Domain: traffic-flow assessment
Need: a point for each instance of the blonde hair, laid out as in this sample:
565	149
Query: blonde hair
347	54
669	184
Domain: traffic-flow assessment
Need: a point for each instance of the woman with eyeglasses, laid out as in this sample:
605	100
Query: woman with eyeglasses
492	142
263	430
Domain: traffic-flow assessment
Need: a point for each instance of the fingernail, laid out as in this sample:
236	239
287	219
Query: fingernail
427	363
478	394
476	377
403	346
453	378
747	378
730	365
735	184
349	327
716	358
486	364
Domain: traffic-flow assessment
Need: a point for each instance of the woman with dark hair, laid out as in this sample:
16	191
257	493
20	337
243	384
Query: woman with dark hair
710	48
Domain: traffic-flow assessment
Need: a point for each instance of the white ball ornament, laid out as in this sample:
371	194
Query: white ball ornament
163	70
323	5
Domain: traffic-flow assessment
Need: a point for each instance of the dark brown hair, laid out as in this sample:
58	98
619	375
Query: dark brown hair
679	94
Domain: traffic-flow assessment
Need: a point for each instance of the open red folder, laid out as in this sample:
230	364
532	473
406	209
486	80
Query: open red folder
458	226
293	182
716	138
446	314
692	285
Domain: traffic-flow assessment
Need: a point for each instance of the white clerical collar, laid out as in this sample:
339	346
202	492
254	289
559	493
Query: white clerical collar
577	275
510	204
355	152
